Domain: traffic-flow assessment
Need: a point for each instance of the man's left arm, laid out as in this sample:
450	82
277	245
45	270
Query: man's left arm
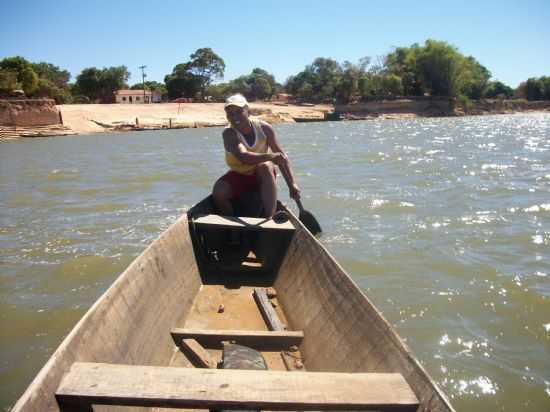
283	163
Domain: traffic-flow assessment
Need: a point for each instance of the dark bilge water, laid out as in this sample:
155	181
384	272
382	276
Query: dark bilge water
445	223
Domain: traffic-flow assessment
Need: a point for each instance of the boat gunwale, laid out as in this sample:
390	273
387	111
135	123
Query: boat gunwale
57	357
39	386
391	332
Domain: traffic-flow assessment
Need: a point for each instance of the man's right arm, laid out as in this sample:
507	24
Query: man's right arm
236	148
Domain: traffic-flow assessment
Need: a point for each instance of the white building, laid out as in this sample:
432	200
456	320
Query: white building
137	96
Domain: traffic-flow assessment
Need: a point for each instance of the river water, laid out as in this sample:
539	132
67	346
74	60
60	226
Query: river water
445	223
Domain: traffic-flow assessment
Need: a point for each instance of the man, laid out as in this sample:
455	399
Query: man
251	151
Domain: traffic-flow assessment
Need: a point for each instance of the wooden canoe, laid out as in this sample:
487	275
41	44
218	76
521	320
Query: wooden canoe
155	337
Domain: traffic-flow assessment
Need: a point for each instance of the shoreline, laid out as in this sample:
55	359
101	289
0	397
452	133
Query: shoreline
105	118
81	119
101	118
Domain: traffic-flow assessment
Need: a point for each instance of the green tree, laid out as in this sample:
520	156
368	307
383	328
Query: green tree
326	74
218	92
521	91
241	85
8	81
318	82
46	88
537	88
258	85
182	83
365	87
473	78
391	84
191	79
263	84
347	88
206	66
36	79
373	85
27	79
306	92
498	89
402	62
438	65
52	82
113	79
100	85
47	71
546	82
77	96
88	83
437	68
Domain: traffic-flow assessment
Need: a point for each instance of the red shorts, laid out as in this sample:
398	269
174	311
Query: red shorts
242	183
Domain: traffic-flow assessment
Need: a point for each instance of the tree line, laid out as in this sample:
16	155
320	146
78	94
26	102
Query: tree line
435	68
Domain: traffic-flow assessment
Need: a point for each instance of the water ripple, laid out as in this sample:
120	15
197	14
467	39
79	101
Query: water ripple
444	222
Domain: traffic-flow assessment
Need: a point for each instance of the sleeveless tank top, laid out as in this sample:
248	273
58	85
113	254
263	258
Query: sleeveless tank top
259	146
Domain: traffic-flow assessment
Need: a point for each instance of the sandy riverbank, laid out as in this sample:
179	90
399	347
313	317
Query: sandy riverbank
93	118
20	121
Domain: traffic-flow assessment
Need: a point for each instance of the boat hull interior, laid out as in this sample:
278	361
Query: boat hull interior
202	275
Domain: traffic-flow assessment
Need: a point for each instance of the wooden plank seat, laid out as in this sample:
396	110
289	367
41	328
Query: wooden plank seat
225	243
260	339
87	384
244	223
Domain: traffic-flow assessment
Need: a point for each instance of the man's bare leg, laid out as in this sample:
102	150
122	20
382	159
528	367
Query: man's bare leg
222	197
268	188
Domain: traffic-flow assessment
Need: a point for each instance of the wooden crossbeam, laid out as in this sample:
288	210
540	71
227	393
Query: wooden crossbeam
260	339
248	223
268	312
197	354
169	387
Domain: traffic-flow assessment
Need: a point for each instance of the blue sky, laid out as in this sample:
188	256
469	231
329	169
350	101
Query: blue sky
510	38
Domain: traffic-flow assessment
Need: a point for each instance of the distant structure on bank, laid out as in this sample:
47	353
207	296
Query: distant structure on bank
282	98
137	96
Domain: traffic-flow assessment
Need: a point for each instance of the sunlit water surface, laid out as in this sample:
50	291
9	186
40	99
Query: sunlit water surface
445	223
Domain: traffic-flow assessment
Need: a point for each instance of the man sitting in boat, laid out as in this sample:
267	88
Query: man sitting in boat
251	151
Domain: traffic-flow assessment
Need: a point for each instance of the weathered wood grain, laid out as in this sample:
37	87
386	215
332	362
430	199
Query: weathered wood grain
268	312
251	223
125	385
197	354
129	323
261	339
343	330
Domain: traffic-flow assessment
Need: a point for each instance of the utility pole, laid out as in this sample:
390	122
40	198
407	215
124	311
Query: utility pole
143	76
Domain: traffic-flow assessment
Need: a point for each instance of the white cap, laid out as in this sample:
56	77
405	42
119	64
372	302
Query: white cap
236	100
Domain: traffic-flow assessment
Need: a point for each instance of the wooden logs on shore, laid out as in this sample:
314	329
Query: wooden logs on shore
14	132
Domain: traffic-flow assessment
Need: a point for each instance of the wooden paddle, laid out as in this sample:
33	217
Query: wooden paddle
305	216
308	220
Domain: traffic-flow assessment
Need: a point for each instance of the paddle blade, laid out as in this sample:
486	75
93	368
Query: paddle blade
310	222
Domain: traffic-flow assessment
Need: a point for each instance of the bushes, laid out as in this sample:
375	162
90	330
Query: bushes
464	102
